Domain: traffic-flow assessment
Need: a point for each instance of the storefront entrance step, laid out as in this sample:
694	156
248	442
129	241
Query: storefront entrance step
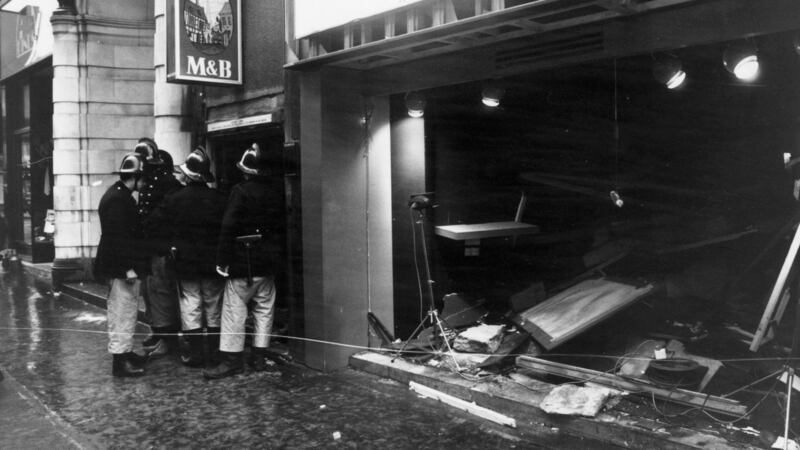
505	396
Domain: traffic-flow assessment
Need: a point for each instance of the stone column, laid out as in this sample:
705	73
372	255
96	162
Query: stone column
347	217
102	103
171	101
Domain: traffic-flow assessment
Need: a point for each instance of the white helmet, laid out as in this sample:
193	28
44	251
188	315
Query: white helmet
252	161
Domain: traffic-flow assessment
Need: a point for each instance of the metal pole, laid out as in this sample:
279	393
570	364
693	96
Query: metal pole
789	383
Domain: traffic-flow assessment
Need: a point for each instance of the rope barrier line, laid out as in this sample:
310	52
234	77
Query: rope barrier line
390	350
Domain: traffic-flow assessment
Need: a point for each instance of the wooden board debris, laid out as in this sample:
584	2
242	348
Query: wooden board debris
470	407
707	402
573	311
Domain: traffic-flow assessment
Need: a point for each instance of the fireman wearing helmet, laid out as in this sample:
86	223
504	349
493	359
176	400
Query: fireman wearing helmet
249	255
161	299
120	261
189	219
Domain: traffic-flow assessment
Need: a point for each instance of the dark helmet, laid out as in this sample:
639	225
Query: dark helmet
131	163
149	151
197	167
165	158
253	161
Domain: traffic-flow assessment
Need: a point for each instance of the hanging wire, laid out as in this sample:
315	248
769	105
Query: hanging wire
416	263
616	128
366	140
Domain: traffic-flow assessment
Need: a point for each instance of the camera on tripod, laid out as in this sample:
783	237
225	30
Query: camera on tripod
421	201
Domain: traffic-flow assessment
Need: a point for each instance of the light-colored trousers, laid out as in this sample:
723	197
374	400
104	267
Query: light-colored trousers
199	297
123	308
234	312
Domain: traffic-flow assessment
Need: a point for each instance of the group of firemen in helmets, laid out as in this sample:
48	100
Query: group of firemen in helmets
200	259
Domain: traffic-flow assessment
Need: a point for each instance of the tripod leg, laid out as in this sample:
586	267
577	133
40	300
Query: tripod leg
789	383
444	338
414	333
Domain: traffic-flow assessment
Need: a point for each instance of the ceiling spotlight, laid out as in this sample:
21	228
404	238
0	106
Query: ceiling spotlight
616	199
415	103
668	70
741	60
796	43
491	94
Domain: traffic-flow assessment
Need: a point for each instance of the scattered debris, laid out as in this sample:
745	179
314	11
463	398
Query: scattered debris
481	339
784	378
337	435
677	350
782	443
710	403
572	400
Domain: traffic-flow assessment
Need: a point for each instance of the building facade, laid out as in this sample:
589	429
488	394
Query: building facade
329	92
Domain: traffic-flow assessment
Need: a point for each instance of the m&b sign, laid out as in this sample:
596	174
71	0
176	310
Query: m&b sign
204	41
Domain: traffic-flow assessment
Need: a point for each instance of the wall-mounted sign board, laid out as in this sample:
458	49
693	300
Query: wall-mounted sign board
204	42
239	123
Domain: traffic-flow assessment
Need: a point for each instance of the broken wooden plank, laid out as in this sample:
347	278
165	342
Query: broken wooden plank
774	298
705	242
707	402
470	407
377	327
573	311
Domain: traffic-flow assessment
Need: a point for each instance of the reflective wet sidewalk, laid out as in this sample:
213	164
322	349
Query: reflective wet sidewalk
56	348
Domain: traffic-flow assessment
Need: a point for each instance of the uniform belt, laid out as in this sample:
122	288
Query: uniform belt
248	241
173	253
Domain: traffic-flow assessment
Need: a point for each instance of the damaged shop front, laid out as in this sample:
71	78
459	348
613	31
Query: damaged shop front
578	217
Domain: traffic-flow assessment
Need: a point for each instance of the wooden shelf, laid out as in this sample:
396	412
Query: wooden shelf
462	232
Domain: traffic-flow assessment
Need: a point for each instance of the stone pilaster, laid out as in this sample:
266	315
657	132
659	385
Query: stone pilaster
102	103
171	101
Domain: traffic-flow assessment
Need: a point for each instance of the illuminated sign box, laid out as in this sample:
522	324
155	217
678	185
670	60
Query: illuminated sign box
204	42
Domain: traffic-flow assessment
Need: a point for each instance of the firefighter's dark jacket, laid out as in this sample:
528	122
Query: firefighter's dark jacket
189	219
255	206
158	183
120	236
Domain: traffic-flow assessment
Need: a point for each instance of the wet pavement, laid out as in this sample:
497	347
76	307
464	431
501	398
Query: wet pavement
54	349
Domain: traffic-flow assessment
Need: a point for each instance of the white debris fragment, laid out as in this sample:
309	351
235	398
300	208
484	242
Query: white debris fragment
322	406
781	443
337	435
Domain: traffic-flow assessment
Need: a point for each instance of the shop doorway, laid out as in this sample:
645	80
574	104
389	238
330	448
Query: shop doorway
226	150
29	165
